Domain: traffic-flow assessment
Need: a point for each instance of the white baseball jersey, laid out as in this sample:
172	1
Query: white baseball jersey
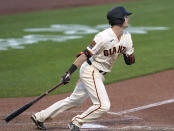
107	48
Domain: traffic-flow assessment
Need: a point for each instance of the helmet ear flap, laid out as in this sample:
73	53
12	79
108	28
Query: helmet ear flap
118	21
121	20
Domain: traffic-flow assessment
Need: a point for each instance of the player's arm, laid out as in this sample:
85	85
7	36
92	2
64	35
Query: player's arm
129	59
79	61
128	53
82	57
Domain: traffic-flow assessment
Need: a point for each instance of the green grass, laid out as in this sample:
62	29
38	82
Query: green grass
38	67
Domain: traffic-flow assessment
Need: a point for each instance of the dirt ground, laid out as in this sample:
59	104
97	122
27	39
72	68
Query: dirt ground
140	104
21	6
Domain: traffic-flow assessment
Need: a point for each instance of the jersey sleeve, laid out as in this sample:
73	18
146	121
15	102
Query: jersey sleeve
96	44
129	45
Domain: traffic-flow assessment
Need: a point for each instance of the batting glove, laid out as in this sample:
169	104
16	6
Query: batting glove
66	78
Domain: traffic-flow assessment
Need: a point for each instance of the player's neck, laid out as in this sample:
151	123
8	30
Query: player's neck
118	31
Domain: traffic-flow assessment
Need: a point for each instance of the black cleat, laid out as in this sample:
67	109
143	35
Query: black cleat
40	125
73	127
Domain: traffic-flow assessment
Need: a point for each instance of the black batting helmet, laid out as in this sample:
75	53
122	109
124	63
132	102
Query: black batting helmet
116	15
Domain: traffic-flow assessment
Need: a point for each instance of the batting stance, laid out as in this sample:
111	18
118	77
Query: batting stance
94	62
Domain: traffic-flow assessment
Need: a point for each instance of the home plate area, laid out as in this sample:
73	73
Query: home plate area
110	123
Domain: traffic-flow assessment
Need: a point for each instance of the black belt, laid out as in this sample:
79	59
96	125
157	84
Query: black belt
102	72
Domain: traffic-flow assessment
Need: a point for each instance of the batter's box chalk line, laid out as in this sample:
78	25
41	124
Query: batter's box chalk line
143	107
100	127
124	119
144	128
129	110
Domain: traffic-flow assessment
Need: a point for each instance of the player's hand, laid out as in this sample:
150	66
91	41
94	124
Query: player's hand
66	78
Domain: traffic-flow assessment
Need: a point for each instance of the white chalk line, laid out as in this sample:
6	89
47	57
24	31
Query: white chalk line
142	107
129	110
125	111
117	113
84	126
145	128
98	126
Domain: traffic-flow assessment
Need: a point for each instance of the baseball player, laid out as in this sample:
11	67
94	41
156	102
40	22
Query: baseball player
94	62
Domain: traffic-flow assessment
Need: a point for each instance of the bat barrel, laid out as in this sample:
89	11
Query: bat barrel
26	106
19	111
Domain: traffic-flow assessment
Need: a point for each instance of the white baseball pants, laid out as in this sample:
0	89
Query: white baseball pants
90	84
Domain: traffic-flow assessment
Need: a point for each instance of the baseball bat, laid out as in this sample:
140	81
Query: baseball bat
26	106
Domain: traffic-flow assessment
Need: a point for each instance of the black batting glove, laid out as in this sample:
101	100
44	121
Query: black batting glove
66	78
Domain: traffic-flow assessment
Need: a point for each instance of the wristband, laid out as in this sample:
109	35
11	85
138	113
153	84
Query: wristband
72	68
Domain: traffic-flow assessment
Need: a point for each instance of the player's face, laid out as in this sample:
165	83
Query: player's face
125	24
